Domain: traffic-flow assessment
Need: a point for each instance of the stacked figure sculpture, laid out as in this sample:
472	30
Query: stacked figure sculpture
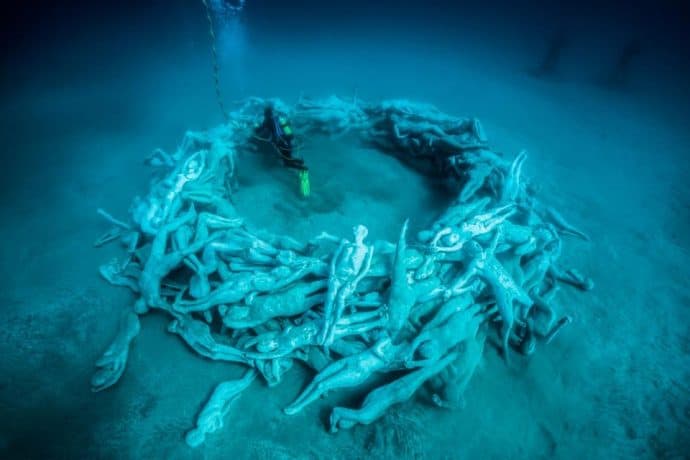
419	309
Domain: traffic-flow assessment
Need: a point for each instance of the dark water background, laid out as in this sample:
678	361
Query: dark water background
89	88
116	64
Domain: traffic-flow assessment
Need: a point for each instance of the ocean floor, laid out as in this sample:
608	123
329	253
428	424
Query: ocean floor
613	385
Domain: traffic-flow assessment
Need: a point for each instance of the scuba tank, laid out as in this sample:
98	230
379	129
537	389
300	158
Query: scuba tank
282	126
285	126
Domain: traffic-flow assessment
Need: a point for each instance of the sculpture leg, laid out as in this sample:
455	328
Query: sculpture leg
477	176
511	187
343	418
358	329
564	226
113	362
334	285
208	221
358	318
505	307
316	387
114	273
560	324
346	291
199	286
339	303
316	359
498	216
118	231
460	373
111	235
572	277
542	306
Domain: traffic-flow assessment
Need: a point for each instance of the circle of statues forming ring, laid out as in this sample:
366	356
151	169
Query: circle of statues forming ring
420	308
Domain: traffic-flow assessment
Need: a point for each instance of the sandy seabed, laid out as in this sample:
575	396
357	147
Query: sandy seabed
613	385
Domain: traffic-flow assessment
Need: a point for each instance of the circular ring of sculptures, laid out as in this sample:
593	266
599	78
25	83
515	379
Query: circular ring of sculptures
419	309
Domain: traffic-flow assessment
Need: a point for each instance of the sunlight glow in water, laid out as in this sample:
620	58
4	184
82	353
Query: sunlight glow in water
230	38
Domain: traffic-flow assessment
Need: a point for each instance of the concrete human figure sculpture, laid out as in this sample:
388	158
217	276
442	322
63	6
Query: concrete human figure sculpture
419	309
349	265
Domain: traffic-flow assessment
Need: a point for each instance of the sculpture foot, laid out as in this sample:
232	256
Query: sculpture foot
337	421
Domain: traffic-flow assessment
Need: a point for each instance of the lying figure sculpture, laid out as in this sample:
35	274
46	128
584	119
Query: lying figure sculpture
418	311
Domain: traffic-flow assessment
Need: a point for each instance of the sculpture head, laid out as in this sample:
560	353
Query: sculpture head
194	166
451	239
361	232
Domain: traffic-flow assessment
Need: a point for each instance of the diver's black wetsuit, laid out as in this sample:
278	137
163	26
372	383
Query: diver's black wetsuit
279	132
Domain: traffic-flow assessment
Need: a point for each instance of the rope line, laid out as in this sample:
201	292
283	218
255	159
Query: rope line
216	68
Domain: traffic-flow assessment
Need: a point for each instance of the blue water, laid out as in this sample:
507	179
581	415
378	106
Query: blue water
88	91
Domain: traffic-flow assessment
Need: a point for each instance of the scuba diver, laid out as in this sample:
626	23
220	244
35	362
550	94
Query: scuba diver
276	129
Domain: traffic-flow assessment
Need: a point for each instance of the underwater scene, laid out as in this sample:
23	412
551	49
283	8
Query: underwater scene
268	229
